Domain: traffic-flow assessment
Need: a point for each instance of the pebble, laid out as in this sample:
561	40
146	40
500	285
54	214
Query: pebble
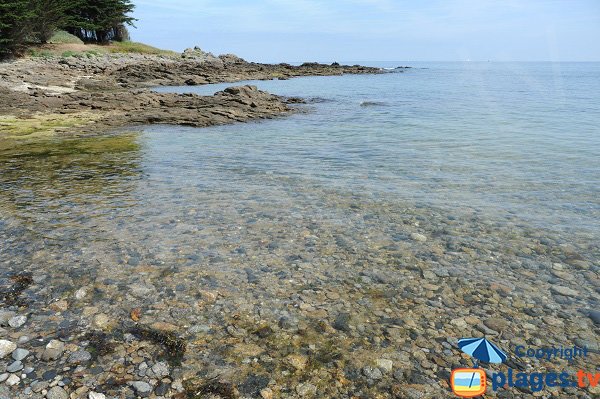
6	348
385	365
96	395
561	290
57	393
13	380
79	357
20	354
15	366
53	351
4	377
17	321
373	373
80	293
5	316
418	237
160	369
595	316
142	388
306	389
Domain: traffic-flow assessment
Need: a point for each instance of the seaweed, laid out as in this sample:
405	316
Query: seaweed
100	344
174	346
214	386
20	282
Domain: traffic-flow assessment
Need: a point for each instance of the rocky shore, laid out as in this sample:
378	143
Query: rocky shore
92	94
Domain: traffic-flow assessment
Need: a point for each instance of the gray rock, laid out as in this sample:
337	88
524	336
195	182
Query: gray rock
595	316
20	354
57	393
4	377
96	395
306	389
6	348
53	351
418	237
15	366
17	321
39	386
13	380
142	388
160	369
5	316
561	290
342	322
373	373
80	357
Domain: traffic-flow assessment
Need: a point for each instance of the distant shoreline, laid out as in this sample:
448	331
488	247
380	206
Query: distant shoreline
86	93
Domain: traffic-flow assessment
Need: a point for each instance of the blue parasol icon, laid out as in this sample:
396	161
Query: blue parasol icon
482	349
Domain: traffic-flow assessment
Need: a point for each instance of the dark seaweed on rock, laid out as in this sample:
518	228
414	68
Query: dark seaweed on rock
174	346
100	344
210	388
10	295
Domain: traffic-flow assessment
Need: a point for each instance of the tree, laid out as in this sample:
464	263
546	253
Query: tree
15	28
50	15
101	20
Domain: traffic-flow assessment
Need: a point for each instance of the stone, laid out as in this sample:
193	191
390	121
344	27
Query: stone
14	380
306	389
4	377
372	372
418	237
496	324
298	362
20	354
17	321
595	316
59	306
266	393
6	348
79	357
57	393
102	321
342	322
385	365
162	389
5	316
565	291
142	388
80	293
15	366
160	369
54	350
96	395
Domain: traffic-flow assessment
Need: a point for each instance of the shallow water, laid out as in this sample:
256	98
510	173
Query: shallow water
400	204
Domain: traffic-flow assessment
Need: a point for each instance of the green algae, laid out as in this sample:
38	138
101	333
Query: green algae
42	125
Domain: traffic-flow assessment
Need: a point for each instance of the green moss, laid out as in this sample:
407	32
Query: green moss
62	37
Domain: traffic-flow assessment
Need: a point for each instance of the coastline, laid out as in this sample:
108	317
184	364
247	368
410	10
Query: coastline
89	95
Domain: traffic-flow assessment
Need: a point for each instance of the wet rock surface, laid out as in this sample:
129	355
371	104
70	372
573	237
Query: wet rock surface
110	91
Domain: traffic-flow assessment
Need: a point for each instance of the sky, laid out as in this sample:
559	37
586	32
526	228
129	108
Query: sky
375	30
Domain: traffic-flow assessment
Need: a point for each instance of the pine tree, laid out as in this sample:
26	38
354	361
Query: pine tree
51	15
15	28
100	20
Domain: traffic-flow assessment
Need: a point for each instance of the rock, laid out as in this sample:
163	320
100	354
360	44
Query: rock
4	377
20	354
496	324
142	388
57	393
5	316
17	321
15	366
96	395
79	357
162	389
306	389
60	306
372	372
14	380
102	321
39	386
342	321
385	365
160	370
595	316
418	237
6	348
53	351
266	393
565	291
298	362
80	293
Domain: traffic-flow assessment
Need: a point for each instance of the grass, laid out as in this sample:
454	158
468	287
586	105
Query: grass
137	48
62	37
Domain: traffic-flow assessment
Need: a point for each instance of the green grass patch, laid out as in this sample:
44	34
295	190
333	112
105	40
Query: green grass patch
62	37
138	48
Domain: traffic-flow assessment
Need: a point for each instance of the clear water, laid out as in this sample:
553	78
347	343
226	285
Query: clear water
515	145
520	139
